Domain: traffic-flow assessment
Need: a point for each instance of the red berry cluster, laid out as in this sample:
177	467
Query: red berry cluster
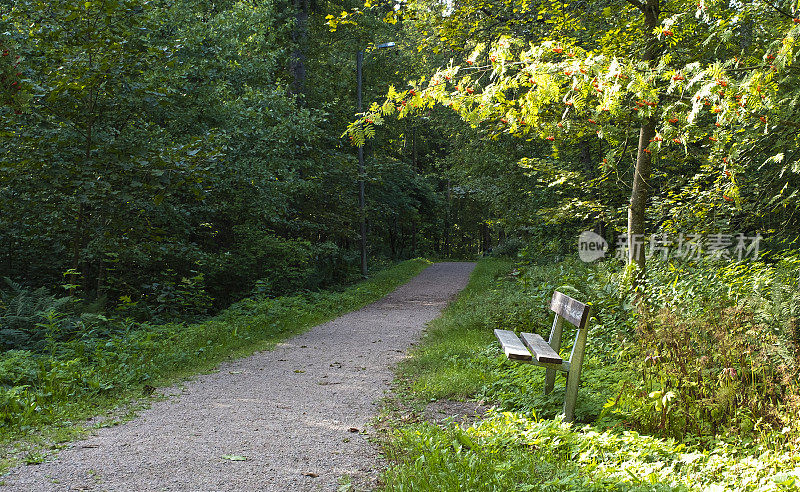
643	103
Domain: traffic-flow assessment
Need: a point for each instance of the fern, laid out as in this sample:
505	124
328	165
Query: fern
23	312
777	302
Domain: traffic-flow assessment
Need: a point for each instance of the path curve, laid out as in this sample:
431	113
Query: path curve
289	411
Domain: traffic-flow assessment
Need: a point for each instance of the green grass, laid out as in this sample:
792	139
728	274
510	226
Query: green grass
509	451
445	365
45	398
521	444
459	357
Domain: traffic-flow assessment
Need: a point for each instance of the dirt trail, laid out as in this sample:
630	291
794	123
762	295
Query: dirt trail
289	411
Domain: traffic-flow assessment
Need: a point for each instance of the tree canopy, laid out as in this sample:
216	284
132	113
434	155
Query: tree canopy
695	98
149	146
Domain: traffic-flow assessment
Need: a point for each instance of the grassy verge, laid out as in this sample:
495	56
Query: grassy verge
521	444
446	365
45	397
459	357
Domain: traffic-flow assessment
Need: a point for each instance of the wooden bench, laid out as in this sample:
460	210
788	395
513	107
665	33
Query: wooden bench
532	348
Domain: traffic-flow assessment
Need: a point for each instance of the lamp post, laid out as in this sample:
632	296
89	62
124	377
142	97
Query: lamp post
361	198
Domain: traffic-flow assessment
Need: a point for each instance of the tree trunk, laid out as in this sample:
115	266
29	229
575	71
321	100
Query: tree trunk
586	154
486	238
393	240
297	63
77	241
448	220
101	278
639	195
414	156
641	176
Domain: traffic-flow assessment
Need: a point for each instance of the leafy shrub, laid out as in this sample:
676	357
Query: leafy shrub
27	317
334	265
702	377
510	247
514	451
280	266
18	368
719	354
170	298
16	404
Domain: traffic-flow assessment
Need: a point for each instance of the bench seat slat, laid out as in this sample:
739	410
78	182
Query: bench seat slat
541	349
512	345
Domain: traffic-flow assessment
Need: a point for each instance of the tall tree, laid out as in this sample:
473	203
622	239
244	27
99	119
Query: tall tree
297	62
672	73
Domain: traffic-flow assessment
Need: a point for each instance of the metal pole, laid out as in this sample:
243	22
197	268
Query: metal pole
361	199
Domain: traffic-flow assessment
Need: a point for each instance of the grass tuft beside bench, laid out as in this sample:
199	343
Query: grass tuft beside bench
533	349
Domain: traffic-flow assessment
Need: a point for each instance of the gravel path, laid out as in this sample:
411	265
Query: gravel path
299	414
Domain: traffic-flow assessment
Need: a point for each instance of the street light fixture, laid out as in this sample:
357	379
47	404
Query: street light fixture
361	199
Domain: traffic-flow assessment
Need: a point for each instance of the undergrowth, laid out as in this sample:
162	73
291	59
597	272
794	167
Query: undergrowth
511	451
44	394
695	391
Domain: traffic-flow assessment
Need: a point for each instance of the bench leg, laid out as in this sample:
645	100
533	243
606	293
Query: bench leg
574	376
555	343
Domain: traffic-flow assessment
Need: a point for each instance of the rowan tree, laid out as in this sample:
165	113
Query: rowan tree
663	81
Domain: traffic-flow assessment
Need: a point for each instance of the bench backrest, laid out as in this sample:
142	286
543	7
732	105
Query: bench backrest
576	312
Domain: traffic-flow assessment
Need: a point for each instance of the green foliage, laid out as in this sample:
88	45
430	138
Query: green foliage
171	300
35	320
158	158
511	451
714	365
720	92
24	314
10	85
160	162
73	378
719	354
510	247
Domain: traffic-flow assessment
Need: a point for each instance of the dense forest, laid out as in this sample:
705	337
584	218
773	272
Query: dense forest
168	162
171	157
